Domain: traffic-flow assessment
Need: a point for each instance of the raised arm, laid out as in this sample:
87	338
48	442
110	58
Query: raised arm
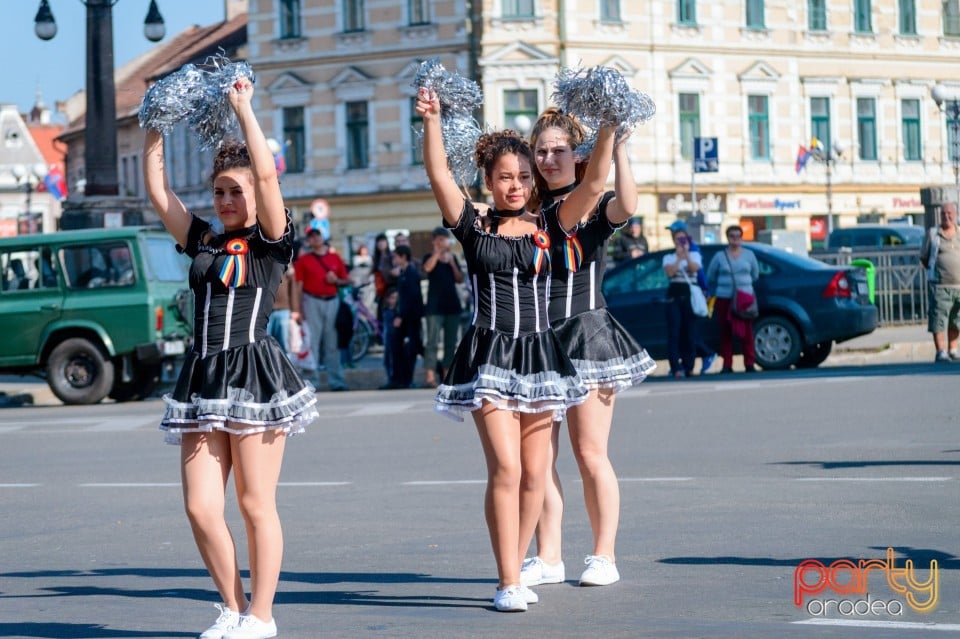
624	203
583	199
445	190
171	210
270	212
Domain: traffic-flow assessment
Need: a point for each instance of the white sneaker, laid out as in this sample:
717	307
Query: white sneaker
529	596
601	571
226	621
249	627
535	572
510	599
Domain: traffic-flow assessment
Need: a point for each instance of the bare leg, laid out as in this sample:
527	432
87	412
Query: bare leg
257	462
535	465
509	441
953	337
205	466
549	527
589	425
940	341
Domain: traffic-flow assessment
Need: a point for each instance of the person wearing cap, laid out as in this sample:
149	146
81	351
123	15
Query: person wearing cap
319	274
706	354
443	306
631	242
681	268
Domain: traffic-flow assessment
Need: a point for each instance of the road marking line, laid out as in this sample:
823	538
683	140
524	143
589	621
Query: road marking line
10	429
445	482
382	409
132	485
20	485
117	424
866	623
655	478
315	483
930	479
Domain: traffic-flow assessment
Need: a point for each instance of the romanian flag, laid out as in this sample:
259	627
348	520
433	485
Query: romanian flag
803	156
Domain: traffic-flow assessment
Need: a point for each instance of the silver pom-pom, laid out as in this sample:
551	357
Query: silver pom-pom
600	96
198	96
172	99
459	98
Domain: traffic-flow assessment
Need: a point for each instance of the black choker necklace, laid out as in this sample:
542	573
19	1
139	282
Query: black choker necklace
498	213
563	190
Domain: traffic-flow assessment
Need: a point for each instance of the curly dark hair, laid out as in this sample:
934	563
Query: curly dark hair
232	154
554	118
495	144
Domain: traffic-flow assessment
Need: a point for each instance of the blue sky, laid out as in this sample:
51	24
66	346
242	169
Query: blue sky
58	66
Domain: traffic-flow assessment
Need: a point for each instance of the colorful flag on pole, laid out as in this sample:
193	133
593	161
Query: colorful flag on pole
280	159
56	185
803	156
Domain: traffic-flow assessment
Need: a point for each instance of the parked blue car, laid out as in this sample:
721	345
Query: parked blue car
805	305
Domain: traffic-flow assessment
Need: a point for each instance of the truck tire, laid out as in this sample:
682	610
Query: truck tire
144	382
78	372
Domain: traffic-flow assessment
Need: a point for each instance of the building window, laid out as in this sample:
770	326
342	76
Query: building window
820	121
517	104
687	12
416	125
862	18
358	133
517	8
689	123
912	151
755	14
951	18
908	17
817	15
610	11
867	128
419	12
294	139
952	126
289	18
353	15
759	127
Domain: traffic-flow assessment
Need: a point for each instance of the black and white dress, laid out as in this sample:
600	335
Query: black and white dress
605	355
236	378
508	356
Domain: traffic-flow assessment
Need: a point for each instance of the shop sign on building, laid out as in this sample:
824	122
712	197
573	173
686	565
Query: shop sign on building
681	205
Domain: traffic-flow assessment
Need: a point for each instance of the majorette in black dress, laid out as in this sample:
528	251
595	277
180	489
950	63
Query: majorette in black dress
236	378
508	356
604	354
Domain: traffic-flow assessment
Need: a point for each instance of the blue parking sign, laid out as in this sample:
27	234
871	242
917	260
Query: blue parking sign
705	155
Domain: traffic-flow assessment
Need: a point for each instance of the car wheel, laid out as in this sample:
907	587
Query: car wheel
777	342
78	372
814	354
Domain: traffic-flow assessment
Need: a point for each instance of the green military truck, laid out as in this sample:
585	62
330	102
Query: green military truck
98	312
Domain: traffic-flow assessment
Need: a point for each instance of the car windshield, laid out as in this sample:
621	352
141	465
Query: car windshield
164	262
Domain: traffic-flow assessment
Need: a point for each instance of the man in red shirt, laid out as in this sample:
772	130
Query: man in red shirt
320	272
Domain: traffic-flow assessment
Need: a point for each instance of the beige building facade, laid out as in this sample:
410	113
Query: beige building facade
763	78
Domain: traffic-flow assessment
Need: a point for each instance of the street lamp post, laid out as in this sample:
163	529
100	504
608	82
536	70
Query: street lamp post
828	157
950	105
100	140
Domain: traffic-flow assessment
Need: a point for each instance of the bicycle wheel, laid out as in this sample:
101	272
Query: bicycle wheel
360	342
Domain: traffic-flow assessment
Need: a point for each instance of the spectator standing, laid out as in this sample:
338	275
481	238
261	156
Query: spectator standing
706	354
407	340
285	308
631	242
730	276
681	268
319	273
940	255
443	305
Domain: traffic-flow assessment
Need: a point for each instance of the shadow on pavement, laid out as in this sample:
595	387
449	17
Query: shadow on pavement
79	631
866	370
921	558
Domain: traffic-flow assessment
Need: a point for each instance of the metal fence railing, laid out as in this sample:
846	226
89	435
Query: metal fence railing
900	282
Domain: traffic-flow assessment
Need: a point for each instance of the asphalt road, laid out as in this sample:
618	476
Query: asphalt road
728	483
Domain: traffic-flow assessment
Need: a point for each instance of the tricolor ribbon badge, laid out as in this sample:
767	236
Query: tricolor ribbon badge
572	253
233	273
541	251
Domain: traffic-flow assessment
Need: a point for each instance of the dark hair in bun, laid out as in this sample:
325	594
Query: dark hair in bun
231	155
554	118
495	144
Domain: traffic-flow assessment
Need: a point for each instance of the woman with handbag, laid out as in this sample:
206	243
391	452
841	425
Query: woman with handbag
681	268
731	275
